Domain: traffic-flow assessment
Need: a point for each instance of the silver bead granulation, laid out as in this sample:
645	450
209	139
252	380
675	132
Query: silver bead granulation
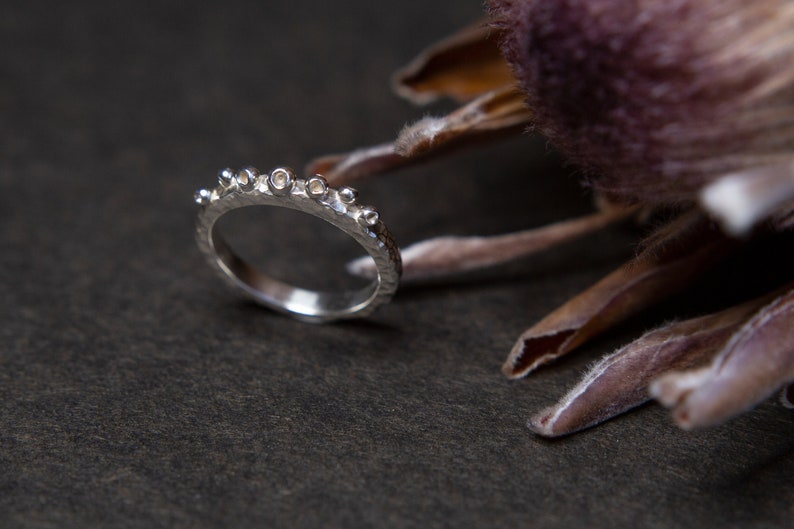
247	178
202	197
281	181
226	177
347	195
316	187
368	217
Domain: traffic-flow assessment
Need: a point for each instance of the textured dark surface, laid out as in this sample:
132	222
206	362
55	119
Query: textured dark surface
137	391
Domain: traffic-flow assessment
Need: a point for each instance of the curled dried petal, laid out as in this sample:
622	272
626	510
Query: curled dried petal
462	66
680	252
488	117
444	256
756	362
500	110
620	380
340	169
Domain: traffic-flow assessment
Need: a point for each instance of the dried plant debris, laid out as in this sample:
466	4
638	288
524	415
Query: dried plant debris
684	105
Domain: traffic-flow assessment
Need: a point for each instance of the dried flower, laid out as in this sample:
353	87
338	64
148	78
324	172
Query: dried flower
680	104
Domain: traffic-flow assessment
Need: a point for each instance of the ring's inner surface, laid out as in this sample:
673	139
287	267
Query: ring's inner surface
291	259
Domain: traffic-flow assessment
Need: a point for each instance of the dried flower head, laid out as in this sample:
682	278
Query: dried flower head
656	99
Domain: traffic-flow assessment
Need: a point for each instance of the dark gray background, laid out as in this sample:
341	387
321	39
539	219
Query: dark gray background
137	391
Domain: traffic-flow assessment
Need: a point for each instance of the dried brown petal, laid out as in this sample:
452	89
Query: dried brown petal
620	381
679	253
462	66
339	169
755	363
487	117
499	111
443	256
741	200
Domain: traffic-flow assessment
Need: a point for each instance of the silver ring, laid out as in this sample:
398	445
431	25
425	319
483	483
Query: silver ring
339	207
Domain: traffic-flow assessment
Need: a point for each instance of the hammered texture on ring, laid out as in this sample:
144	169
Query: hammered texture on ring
339	207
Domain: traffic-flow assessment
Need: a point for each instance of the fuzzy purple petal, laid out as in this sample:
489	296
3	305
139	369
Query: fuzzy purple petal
757	362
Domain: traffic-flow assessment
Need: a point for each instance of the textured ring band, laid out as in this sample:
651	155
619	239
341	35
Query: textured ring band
339	207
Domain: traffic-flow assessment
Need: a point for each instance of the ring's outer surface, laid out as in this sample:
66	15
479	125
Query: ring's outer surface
338	207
